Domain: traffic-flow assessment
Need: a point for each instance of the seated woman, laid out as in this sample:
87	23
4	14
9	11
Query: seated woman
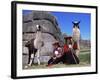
69	53
57	56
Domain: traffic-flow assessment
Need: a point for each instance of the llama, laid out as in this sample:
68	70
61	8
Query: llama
34	46
38	43
76	36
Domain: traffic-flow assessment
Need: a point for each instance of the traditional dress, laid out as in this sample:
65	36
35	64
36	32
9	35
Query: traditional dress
69	53
57	54
57	57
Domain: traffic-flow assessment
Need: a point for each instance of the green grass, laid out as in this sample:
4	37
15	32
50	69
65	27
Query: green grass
85	58
84	61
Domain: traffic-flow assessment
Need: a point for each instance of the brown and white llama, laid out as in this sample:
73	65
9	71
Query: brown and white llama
34	46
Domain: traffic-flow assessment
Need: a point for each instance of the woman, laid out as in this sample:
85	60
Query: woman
57	54
69	53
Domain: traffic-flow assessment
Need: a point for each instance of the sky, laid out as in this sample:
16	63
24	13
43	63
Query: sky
65	19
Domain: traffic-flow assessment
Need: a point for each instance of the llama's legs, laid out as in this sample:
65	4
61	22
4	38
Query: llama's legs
38	56
78	49
77	52
31	59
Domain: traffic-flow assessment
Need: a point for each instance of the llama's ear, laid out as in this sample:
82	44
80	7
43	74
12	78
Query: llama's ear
72	22
78	22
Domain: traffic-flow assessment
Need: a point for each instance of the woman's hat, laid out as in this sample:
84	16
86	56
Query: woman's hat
69	37
56	43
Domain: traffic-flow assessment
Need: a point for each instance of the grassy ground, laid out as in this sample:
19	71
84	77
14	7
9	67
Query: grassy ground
85	58
84	61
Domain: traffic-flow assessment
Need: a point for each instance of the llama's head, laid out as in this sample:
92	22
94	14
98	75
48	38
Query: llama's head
76	31
76	24
38	28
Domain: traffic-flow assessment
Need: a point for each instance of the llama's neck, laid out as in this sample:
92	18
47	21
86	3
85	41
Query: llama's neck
76	34
38	34
38	40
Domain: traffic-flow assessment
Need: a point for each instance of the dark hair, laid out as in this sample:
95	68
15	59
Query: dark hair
56	44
